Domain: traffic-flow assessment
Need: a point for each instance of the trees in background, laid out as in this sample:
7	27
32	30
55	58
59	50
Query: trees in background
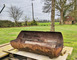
73	9
15	13
75	4
61	5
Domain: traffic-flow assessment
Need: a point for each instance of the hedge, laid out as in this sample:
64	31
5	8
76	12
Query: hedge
6	23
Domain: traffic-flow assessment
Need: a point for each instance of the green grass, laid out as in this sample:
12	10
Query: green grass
47	24
69	34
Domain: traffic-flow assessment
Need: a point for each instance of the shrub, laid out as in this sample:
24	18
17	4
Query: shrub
33	23
6	23
19	24
28	23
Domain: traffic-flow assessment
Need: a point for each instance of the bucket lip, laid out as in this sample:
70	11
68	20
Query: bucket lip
40	31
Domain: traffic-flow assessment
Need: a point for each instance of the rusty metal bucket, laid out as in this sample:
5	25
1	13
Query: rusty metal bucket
44	43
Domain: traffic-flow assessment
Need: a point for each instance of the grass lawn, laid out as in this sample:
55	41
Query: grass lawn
69	33
47	24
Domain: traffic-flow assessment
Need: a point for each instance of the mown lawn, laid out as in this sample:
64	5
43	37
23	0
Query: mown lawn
47	24
69	33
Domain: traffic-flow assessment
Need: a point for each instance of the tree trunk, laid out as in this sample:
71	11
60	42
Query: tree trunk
61	16
16	23
53	16
75	5
25	23
75	9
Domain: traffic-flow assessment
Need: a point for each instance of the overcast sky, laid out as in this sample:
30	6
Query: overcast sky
25	6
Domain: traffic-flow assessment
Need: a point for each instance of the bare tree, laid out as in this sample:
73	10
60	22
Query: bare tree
2	8
15	13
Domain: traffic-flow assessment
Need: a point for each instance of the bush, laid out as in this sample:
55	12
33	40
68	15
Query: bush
28	23
32	23
6	23
19	24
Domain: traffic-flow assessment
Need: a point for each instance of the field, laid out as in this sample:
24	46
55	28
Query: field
69	34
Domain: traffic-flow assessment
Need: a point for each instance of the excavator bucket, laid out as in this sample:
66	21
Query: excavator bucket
44	43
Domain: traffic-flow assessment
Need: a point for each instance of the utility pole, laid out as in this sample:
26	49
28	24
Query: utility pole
2	8
32	11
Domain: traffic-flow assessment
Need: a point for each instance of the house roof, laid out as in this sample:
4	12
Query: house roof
70	18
